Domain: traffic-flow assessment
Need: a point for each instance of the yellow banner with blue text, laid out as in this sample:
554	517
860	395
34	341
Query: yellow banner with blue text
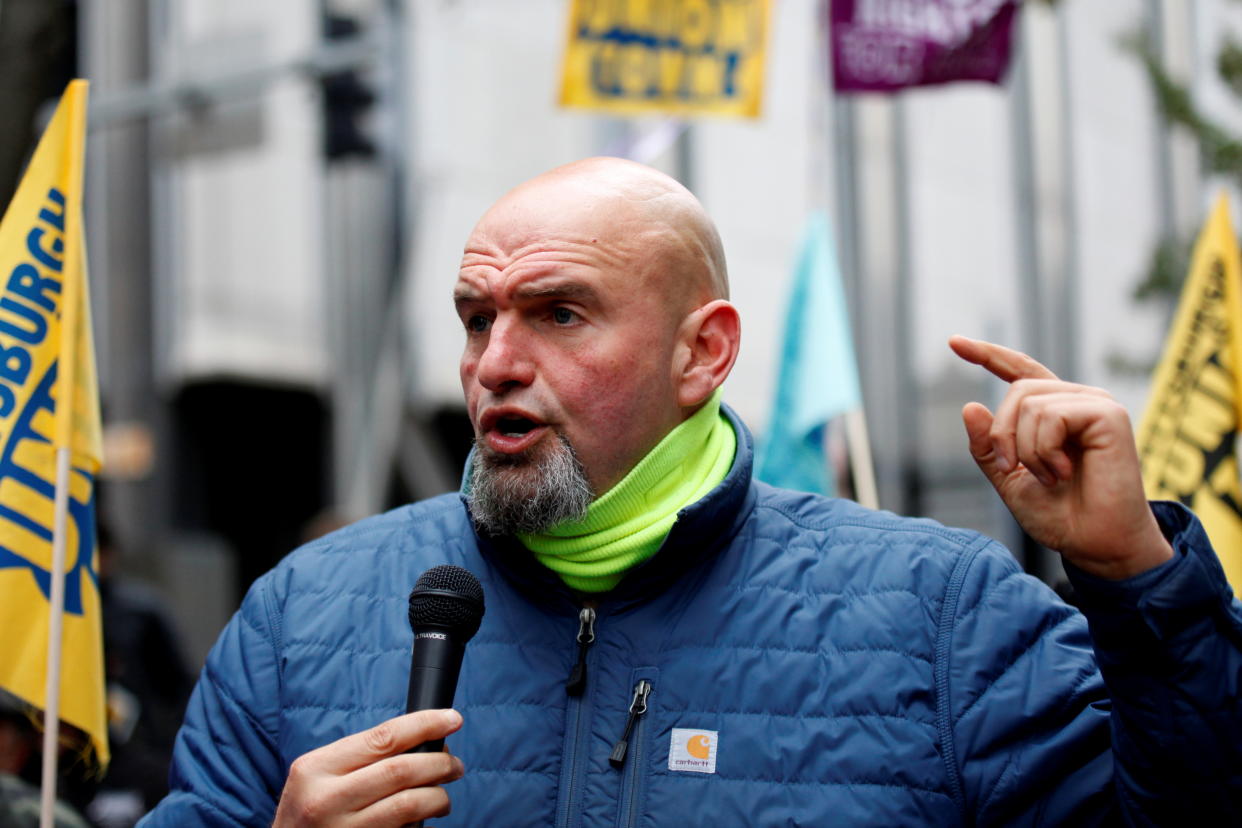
1187	434
49	399
681	57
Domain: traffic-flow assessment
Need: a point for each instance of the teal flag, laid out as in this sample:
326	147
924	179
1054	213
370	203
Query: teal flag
818	375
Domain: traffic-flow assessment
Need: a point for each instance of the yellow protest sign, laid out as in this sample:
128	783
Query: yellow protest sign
685	57
1186	437
49	400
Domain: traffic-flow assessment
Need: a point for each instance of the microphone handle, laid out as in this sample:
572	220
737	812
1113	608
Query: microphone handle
434	667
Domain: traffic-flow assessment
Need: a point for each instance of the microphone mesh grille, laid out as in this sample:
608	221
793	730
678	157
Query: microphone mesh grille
447	597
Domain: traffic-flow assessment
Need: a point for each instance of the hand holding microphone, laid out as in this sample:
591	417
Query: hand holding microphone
367	778
391	774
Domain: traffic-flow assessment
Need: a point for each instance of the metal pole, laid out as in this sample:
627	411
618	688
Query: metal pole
1029	264
684	152
1036	321
907	388
845	178
1163	136
1065	304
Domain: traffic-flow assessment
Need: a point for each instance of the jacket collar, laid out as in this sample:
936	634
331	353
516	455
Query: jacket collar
702	529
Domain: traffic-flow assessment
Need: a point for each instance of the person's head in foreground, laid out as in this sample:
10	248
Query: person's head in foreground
595	303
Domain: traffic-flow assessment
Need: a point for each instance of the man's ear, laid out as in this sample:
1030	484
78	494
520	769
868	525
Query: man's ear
708	342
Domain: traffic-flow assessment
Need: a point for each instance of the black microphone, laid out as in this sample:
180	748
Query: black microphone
446	608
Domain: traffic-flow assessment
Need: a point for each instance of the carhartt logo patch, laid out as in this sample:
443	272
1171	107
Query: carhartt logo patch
692	750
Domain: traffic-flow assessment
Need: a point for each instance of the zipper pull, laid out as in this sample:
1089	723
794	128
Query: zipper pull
638	706
586	637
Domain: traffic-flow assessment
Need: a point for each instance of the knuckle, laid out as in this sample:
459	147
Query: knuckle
311	810
303	766
417	803
1116	409
395	775
400	809
381	738
1121	419
437	801
450	767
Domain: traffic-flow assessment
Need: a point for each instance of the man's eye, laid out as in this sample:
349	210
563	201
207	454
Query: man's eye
477	324
563	316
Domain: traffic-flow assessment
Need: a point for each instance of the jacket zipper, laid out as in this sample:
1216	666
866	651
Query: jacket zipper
630	750
638	706
576	682
575	716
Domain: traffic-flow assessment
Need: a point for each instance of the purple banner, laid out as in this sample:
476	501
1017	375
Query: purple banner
886	45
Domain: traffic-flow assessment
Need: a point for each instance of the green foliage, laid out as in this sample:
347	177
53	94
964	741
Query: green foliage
1229	65
1219	149
1166	271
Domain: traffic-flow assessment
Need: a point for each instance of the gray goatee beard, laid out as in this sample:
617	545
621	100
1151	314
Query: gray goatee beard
530	492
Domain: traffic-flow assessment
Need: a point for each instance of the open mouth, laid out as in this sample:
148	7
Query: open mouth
515	426
510	430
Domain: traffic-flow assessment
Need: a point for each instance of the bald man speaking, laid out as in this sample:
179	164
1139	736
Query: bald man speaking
669	642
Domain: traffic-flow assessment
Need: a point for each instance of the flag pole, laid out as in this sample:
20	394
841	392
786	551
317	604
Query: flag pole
861	465
66	394
51	696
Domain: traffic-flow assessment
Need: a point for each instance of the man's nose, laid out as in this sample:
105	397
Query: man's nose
506	361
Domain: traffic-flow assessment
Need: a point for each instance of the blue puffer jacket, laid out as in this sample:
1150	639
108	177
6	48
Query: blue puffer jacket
809	663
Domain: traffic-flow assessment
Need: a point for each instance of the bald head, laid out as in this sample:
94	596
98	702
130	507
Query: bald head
593	302
643	214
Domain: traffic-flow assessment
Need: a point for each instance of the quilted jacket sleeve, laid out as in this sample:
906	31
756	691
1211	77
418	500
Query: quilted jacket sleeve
1034	734
1169	644
226	768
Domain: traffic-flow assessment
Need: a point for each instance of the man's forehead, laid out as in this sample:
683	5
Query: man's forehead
618	215
547	263
528	236
480	284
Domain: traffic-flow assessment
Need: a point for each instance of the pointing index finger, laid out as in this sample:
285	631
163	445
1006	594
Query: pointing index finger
1005	363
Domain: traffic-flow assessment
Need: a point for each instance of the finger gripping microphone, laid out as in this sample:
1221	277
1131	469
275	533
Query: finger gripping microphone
446	608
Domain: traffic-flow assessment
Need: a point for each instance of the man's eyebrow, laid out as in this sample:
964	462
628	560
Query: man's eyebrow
465	295
579	291
540	289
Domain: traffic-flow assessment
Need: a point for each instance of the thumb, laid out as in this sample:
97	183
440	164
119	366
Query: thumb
978	422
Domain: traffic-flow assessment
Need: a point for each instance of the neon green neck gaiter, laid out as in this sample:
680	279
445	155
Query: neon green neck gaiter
626	525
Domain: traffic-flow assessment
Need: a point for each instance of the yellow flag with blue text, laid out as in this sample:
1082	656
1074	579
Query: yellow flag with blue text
1187	435
680	57
49	399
